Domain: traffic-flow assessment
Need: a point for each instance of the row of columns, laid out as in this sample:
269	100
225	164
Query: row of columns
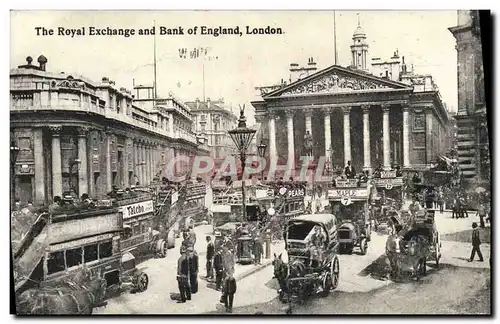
347	135
145	154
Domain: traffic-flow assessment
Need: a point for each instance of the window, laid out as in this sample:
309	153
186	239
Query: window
55	262
90	253
105	249
136	229
73	257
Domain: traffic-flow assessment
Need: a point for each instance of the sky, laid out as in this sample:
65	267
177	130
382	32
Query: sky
234	65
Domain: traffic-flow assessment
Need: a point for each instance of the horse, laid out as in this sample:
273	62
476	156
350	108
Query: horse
74	296
392	252
284	271
414	258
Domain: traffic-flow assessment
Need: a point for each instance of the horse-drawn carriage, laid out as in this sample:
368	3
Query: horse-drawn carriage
312	268
416	242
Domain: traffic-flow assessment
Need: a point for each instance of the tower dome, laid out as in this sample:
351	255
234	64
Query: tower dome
359	32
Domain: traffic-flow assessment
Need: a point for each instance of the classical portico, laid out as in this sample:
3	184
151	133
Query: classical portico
351	115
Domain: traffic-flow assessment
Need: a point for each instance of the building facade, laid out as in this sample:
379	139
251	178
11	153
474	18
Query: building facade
352	115
472	130
214	120
77	136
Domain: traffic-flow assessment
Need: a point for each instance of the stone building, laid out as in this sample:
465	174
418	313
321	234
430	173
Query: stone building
213	120
473	148
388	117
78	136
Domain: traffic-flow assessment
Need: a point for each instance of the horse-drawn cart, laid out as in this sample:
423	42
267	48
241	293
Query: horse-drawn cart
313	267
417	242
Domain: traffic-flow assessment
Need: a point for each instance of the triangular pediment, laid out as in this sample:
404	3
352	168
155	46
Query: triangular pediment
336	79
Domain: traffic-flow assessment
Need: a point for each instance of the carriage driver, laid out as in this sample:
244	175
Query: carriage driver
317	243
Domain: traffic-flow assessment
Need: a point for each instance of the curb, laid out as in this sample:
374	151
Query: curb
253	270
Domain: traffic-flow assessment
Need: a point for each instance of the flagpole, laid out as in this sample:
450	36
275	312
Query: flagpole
203	75
335	38
155	93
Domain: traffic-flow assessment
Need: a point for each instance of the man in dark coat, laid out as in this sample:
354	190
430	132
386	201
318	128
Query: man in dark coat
228	292
193	269
476	243
257	250
219	269
182	277
349	171
210	257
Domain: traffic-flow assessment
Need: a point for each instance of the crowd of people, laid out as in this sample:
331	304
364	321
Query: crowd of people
220	262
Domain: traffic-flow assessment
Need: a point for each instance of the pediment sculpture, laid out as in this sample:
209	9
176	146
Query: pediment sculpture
335	83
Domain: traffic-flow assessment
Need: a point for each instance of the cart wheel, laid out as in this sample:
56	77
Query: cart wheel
363	245
161	249
335	273
142	282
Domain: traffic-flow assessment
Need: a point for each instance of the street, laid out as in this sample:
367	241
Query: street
456	287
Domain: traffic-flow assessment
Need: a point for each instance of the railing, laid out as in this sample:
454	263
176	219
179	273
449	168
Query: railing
37	105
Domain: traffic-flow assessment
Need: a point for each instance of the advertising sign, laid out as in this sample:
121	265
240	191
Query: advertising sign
347	193
388	174
196	191
346	183
389	183
137	209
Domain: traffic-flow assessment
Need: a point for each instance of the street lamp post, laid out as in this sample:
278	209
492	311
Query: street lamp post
242	137
14	152
261	150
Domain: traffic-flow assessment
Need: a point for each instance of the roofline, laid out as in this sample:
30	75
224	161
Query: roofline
340	68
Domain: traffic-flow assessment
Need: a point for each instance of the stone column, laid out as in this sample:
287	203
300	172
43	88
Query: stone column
308	114
143	165
273	155
366	138
150	163
328	133
289	127
39	166
135	154
109	177
56	161
126	148
386	137
347	134
83	176
429	145
406	136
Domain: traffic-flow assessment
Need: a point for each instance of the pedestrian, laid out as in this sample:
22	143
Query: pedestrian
229	291
193	269
192	235
219	269
481	212
182	277
257	250
210	257
476	243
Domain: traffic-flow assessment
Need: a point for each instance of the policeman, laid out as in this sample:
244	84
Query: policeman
182	276
193	269
218	268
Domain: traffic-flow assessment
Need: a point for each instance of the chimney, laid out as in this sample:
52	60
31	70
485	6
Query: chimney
208	103
403	67
197	103
42	60
311	66
294	72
